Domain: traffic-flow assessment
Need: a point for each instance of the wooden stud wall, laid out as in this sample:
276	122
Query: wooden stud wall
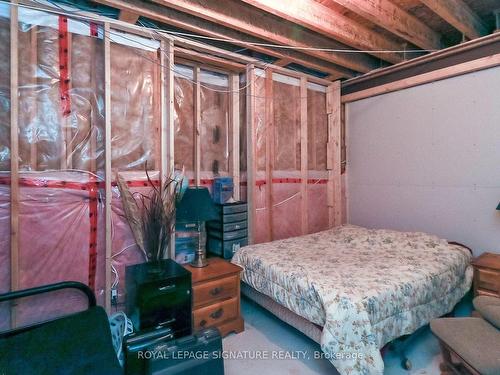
166	163
334	144
197	126
303	156
34	63
107	158
234	123
167	118
14	157
333	110
269	121
67	149
251	149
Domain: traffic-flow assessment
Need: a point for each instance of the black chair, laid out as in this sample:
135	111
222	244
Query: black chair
74	344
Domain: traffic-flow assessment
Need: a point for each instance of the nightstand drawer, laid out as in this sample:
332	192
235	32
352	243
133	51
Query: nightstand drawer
215	314
213	291
488	279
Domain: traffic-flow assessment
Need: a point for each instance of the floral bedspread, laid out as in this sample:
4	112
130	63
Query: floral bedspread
364	287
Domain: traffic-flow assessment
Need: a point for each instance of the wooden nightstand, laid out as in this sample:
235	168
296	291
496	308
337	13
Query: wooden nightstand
216	296
487	275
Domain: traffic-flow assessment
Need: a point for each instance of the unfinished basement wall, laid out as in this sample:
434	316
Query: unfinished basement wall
59	194
292	129
61	183
427	159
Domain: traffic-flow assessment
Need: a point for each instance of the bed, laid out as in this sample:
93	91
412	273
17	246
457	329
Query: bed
354	289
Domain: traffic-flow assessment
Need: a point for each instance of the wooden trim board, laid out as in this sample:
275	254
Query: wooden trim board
436	75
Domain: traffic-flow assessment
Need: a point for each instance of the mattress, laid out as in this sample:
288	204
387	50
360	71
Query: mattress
365	287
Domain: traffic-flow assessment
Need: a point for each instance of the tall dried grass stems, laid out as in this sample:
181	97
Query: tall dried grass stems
151	216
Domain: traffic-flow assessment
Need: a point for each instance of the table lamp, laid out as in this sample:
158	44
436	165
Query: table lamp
197	206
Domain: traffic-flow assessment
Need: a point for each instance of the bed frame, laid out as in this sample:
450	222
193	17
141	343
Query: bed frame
303	325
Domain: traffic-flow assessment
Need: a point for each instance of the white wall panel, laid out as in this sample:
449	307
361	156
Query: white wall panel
428	159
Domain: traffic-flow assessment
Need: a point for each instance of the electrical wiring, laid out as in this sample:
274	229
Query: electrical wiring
76	13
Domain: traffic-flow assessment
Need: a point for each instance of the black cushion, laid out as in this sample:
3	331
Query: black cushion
71	345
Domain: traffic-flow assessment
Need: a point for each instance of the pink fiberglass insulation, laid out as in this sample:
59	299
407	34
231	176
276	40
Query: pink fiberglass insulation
286	210
4	252
214	122
134	108
124	249
4	94
318	210
184	118
261	223
54	239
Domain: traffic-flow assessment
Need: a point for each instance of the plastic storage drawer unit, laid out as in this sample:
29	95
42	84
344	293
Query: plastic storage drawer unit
229	232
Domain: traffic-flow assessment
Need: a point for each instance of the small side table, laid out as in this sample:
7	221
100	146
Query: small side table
487	275
216	296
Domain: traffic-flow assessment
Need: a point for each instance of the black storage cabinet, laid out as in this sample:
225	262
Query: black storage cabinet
159	295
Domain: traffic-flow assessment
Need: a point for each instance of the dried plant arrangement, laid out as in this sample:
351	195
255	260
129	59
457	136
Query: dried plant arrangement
152	217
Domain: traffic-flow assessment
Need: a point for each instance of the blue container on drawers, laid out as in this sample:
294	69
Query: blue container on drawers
222	189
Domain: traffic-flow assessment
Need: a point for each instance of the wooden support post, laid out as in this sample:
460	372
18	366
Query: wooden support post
251	149
234	120
334	154
107	161
34	82
197	126
303	156
67	133
93	109
269	115
14	157
157	100
167	119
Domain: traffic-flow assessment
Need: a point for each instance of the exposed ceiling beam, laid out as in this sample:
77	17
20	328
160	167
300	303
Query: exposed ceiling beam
249	20
219	62
458	14
282	62
201	27
126	16
333	24
394	19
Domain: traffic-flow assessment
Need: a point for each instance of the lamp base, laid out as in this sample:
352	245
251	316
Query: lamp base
200	257
199	261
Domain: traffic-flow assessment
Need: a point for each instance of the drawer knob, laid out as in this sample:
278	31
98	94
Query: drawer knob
216	291
217	313
203	323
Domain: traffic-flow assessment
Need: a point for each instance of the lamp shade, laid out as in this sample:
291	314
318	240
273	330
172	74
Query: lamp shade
196	205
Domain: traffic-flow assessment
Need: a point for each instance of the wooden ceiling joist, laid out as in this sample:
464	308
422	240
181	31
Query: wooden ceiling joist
127	16
458	14
333	24
394	19
248	20
202	27
215	61
282	62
